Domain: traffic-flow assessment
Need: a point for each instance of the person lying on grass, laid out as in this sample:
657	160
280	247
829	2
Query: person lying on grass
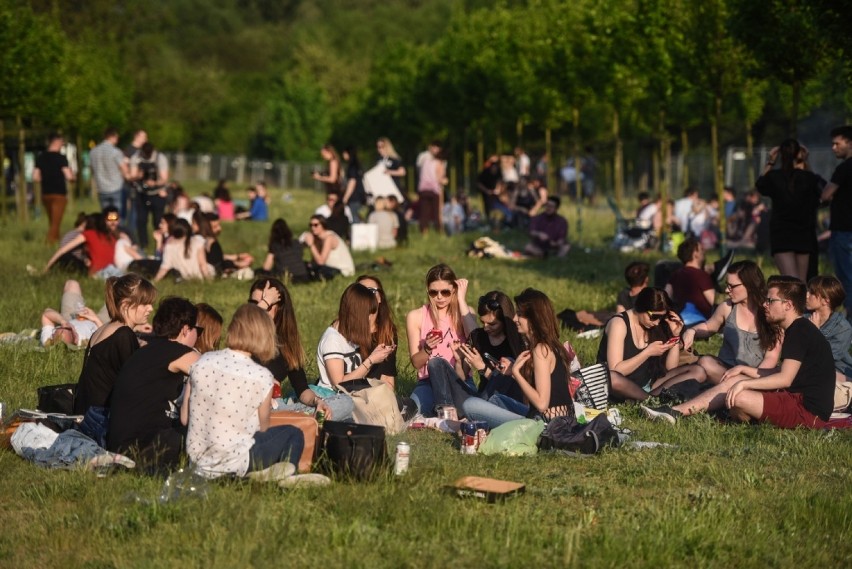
799	394
74	323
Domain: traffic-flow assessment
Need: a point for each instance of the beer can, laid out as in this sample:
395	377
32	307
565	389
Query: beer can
403	454
468	438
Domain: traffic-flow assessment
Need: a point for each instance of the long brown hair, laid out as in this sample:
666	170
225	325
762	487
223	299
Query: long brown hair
543	325
386	332
755	284
357	303
131	289
499	305
443	272
209	319
286	329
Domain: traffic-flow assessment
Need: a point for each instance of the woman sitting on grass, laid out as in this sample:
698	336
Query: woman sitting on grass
145	412
129	302
284	255
100	242
541	372
330	255
230	401
748	339
185	253
289	362
346	355
385	332
825	295
641	344
435	331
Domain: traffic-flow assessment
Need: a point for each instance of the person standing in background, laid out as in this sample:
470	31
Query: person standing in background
52	170
430	188
109	171
839	193
128	190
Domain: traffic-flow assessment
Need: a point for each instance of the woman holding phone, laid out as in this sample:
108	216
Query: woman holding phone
435	332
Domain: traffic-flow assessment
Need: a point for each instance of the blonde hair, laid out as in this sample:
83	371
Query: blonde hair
130	289
381	204
389	149
251	330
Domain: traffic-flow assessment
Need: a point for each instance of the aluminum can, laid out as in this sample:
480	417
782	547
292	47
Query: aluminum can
403	455
2	413
468	438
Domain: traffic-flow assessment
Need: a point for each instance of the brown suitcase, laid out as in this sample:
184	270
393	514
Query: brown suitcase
309	427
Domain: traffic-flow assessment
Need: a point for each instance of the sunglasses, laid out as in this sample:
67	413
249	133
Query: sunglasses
654	317
199	329
112	218
372	289
315	225
491	304
444	293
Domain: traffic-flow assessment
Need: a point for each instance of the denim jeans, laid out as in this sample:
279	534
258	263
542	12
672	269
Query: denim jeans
277	444
840	250
111	199
477	409
442	387
341	406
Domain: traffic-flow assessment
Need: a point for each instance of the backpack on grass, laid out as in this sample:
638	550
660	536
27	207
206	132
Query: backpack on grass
565	433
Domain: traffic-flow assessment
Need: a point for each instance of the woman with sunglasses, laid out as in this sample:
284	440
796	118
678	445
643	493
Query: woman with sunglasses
345	354
435	332
289	361
641	344
748	339
100	242
330	255
385	332
144	419
541	372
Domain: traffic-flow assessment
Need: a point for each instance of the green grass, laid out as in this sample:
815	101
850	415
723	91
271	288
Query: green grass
726	496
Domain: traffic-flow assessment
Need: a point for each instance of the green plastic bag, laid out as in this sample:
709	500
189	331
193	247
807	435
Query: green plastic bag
515	438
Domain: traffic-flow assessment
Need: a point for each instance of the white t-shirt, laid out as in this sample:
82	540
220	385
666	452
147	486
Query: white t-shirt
122	258
84	329
227	389
175	257
386	223
333	346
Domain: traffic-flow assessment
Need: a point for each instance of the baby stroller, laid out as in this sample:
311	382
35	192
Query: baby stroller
630	234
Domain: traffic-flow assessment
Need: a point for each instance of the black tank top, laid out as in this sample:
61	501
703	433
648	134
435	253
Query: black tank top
561	402
650	368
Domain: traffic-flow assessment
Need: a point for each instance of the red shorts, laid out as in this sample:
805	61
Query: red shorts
785	409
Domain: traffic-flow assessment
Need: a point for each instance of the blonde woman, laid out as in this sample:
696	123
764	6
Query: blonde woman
389	158
230	402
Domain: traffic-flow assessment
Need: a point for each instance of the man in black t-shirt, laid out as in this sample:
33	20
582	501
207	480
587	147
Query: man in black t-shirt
52	170
798	394
839	192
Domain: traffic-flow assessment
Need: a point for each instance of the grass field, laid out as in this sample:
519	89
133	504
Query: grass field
724	496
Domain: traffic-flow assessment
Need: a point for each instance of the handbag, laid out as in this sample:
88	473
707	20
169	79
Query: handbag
565	433
310	430
593	390
376	405
353	451
57	398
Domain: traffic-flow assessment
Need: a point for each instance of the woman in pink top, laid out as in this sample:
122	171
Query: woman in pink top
222	199
435	331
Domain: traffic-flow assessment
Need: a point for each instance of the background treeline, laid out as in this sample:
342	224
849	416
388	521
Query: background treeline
278	78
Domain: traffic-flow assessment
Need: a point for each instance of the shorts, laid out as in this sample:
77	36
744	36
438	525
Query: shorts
69	305
785	409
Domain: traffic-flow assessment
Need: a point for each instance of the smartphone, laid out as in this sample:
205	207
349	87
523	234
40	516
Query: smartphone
490	359
435	333
673	340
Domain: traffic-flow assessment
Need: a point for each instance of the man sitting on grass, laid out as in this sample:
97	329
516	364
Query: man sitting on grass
799	394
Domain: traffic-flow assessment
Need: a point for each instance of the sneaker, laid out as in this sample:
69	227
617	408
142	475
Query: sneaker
278	471
305	480
720	269
663	413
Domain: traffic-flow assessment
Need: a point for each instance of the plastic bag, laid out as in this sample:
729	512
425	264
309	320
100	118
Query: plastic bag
515	438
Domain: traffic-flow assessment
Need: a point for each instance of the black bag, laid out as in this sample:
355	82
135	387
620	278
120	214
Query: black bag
565	433
352	451
57	398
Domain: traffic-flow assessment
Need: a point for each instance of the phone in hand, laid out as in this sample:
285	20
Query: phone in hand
491	360
435	333
673	340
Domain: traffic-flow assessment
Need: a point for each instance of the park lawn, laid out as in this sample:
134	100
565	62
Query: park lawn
723	495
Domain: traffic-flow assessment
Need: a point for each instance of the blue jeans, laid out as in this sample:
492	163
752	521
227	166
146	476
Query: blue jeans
494	411
111	199
442	387
277	444
840	251
341	406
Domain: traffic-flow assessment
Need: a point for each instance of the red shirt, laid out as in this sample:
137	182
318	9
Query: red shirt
101	250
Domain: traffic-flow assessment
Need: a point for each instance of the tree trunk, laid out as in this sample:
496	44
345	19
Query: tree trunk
23	211
794	114
718	172
684	150
5	195
749	153
548	152
655	170
666	157
618	160
575	151
519	132
480	150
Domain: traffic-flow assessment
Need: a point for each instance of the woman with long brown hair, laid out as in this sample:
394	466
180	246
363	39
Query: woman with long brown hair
331	176
289	362
541	372
435	331
385	332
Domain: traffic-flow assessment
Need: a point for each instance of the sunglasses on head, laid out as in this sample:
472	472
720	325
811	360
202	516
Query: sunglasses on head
372	289
445	292
491	304
656	317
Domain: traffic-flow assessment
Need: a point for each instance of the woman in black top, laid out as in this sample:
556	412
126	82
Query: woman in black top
354	195
129	303
271	295
795	195
385	331
284	255
145	419
636	344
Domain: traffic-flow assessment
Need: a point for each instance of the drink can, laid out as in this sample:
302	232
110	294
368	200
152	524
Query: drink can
403	455
320	417
468	438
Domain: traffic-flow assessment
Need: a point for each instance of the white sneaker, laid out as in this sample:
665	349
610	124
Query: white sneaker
278	471
305	480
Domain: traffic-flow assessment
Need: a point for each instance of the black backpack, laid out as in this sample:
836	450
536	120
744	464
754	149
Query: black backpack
148	169
565	433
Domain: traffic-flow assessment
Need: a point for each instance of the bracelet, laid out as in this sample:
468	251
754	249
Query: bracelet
368	360
427	349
